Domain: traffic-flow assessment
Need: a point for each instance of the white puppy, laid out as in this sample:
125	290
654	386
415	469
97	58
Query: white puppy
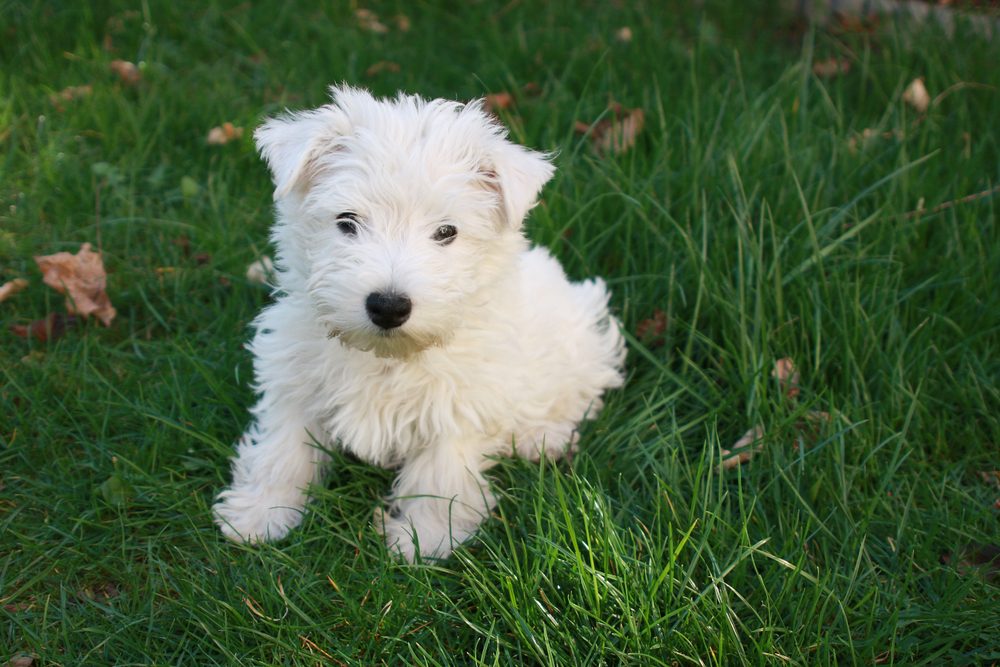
412	324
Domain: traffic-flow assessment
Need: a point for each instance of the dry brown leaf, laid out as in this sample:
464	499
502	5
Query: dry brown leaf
623	34
916	95
261	271
48	328
831	67
21	660
497	101
743	449
856	23
806	429
12	287
621	135
615	135
81	277
223	134
184	243
787	376
127	72
650	331
69	94
368	20
990	477
382	66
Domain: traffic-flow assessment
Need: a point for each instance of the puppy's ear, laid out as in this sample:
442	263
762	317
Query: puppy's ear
517	174
290	145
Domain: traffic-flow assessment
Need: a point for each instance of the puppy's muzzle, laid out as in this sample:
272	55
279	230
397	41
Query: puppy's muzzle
388	310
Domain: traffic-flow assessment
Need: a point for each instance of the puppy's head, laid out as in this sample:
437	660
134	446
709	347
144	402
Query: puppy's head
397	216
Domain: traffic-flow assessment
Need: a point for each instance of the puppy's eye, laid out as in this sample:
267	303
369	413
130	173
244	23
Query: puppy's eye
445	234
348	223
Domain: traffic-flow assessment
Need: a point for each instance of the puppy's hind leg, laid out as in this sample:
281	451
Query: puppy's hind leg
439	499
276	461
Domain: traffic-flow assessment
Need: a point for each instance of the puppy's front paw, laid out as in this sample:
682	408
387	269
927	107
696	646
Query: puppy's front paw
247	516
420	532
397	534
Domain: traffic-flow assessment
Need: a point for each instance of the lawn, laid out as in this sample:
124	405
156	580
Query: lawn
782	201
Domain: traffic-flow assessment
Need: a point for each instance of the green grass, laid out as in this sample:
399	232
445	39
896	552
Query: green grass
743	213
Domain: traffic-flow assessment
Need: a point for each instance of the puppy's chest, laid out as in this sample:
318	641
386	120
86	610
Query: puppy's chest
381	412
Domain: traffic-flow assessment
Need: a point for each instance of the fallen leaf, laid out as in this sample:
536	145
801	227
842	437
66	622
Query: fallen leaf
184	243
650	331
21	661
623	34
743	449
81	277
617	134
368	20
382	66
787	376
261	271
498	101
48	328
847	22
916	95
402	22
12	287
831	67
990	477
223	134
69	94
127	72
807	429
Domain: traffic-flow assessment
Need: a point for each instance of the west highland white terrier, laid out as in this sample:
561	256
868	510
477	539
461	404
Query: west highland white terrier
412	324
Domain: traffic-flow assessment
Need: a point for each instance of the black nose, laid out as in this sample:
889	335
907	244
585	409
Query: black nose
388	310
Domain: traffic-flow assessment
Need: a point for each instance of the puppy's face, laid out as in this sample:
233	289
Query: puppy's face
396	216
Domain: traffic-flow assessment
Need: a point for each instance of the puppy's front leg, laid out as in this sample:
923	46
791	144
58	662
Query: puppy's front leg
439	499
275	462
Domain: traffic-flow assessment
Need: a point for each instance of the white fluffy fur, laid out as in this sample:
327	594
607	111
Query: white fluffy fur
501	354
